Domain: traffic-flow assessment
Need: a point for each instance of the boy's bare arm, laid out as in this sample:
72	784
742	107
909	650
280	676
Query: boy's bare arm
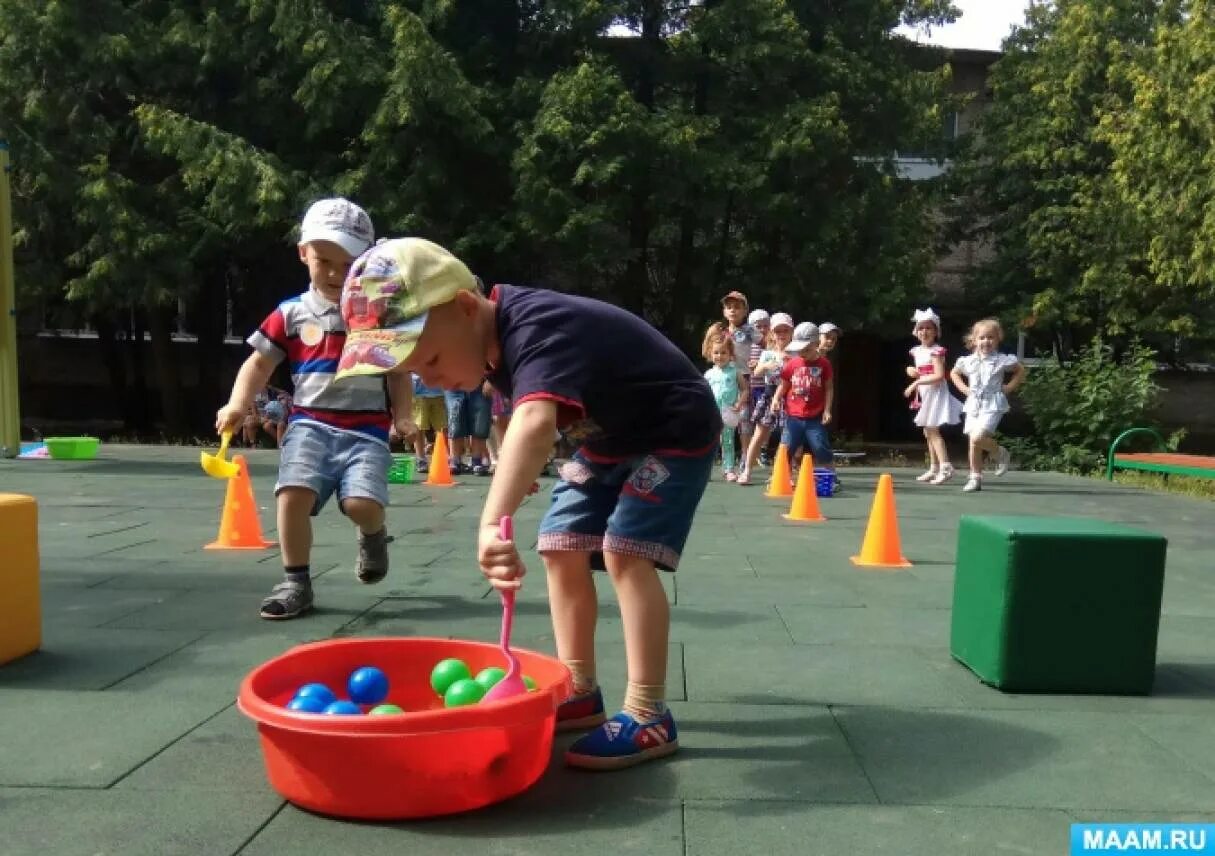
253	374
400	395
525	450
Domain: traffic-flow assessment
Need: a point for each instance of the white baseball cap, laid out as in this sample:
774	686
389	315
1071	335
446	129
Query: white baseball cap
805	334
782	319
757	315
340	221
827	327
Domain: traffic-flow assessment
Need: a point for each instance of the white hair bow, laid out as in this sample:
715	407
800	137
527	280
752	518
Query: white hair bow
926	315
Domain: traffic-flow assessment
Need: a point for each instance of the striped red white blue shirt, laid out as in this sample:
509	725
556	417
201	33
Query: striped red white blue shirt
308	332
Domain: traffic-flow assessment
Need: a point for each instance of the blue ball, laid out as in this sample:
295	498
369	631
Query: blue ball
317	691
344	707
368	685
307	704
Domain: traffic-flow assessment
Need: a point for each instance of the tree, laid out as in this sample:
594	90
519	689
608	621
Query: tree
1036	177
173	144
1163	165
738	145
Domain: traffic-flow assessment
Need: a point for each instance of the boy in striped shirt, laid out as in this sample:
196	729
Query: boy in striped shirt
337	434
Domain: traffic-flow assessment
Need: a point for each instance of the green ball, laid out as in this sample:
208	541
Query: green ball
529	683
490	676
381	709
463	692
447	672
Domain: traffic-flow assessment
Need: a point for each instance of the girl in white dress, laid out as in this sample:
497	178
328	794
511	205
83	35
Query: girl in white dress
980	377
934	404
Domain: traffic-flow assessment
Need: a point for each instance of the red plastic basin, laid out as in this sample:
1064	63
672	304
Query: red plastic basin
430	760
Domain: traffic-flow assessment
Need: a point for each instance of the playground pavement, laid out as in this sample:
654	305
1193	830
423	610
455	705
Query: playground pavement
820	711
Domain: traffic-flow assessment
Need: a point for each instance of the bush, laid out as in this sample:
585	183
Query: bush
1078	408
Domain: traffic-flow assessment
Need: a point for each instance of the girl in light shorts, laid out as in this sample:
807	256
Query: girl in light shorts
980	376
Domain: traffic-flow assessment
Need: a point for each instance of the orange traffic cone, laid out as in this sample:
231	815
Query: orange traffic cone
805	498
239	528
440	472
781	484
881	547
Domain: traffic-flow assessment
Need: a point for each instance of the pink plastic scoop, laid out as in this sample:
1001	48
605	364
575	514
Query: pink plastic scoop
512	682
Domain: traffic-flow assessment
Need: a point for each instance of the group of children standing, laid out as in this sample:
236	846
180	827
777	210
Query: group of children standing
769	375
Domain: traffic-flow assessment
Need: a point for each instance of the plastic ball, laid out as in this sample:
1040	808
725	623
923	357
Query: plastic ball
343	707
462	692
490	676
529	683
317	691
367	685
384	709
447	672
307	704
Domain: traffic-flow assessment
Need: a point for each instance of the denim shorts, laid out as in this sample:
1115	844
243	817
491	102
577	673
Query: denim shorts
326	460
808	433
467	415
639	507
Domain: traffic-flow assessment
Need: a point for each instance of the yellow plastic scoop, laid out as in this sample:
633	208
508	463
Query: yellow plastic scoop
215	466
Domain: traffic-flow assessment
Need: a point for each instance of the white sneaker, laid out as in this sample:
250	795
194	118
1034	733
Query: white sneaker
926	476
1003	461
944	475
972	484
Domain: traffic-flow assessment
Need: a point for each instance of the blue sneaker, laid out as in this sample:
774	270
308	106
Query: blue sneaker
623	741
580	712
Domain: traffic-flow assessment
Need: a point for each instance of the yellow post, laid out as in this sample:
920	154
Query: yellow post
10	410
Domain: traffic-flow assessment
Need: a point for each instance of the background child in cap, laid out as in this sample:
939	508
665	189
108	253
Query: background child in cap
738	328
337	438
805	394
647	425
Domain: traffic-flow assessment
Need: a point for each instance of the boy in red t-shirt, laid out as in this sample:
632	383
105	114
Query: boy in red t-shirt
806	391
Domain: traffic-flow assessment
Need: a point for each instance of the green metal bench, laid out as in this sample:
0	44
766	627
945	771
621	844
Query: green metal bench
1168	463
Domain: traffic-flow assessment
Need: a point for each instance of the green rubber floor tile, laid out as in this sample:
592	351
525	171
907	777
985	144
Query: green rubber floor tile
1189	738
216	663
727	829
819	674
85	658
246	577
222	754
576	821
90	739
894	588
447	616
869	625
1183	636
202	610
1054	759
36	822
763	752
79	606
701	590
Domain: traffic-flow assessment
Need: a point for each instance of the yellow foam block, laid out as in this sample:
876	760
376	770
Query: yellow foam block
20	602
